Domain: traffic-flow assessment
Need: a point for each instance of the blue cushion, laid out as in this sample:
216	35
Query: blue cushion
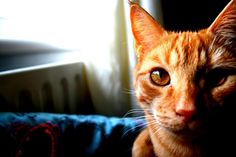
64	135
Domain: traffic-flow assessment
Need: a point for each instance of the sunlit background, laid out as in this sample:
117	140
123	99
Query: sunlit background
63	23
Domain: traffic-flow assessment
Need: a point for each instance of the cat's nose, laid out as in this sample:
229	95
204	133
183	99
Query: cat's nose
186	110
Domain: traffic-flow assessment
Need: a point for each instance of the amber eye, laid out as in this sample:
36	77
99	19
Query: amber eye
160	77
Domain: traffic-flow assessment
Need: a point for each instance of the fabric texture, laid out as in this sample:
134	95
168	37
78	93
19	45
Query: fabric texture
64	135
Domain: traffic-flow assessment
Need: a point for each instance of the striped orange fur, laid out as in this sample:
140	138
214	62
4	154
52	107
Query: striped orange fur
185	82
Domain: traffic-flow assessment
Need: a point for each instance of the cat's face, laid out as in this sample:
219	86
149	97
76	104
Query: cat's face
183	78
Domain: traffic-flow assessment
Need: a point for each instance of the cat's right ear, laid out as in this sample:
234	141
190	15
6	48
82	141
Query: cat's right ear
146	30
224	26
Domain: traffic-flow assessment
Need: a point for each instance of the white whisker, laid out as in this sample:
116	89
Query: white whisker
129	91
141	124
133	111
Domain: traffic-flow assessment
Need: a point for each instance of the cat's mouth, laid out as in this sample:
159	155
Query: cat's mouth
179	127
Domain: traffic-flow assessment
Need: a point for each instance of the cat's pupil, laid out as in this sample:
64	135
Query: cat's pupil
160	77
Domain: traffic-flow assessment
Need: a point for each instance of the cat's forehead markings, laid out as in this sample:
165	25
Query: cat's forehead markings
178	50
190	49
174	57
161	54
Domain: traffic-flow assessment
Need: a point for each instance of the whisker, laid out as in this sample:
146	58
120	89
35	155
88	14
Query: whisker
144	119
128	91
155	123
141	124
157	130
140	128
141	120
133	111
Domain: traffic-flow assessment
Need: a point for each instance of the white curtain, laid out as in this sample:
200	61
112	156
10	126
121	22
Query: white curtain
106	59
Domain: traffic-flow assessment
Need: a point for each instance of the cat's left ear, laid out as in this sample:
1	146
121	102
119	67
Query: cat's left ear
224	26
146	31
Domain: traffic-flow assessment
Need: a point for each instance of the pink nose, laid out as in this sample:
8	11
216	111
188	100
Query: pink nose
186	110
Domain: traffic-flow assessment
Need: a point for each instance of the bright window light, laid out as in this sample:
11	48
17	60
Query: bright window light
70	24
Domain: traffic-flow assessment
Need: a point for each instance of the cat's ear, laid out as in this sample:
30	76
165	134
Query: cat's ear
224	26
146	30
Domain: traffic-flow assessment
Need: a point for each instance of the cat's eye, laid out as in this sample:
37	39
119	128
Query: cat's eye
217	78
220	80
160	77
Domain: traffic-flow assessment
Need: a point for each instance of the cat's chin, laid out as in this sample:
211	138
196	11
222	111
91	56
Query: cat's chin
189	132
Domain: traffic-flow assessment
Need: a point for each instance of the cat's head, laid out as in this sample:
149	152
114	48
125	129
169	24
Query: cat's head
181	77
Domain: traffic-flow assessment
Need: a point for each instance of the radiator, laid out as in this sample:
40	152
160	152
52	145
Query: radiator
58	88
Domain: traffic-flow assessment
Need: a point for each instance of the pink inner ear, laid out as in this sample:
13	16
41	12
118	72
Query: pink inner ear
145	29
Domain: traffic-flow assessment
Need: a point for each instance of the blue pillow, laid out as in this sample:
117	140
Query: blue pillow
64	135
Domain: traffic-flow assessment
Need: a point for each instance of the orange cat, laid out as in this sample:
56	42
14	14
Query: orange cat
185	83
